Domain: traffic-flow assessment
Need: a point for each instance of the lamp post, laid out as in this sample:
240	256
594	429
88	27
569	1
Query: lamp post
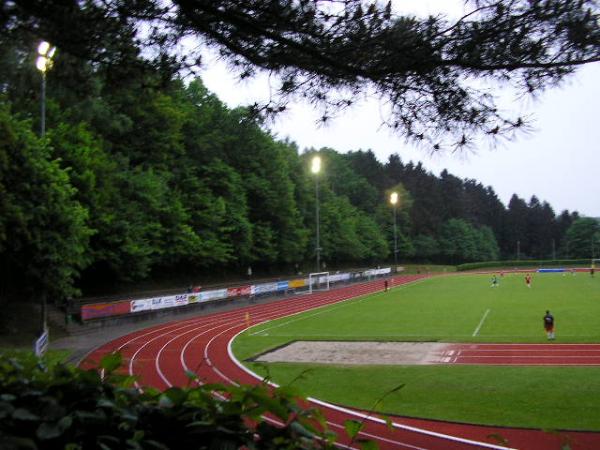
394	202
43	64
316	168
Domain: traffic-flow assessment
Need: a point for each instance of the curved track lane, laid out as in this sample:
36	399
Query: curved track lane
160	356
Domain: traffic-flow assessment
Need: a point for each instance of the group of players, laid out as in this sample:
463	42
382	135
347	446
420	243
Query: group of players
496	283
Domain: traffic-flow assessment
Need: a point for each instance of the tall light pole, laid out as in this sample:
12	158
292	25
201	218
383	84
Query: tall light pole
43	64
316	168
394	202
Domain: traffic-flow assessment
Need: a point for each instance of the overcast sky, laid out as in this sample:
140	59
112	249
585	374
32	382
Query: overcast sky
559	161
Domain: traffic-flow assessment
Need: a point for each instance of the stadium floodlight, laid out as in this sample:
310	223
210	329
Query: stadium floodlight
316	165
394	202
316	168
44	63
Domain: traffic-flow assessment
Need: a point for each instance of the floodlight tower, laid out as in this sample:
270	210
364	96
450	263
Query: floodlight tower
394	202
316	168
43	64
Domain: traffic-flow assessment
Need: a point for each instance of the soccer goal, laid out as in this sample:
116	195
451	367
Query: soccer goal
318	281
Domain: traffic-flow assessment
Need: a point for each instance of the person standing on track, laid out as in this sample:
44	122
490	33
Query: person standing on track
549	325
528	280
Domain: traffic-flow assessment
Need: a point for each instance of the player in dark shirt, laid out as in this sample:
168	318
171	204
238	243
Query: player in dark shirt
549	325
494	281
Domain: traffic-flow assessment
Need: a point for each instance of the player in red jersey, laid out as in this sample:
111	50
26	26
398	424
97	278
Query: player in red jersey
528	280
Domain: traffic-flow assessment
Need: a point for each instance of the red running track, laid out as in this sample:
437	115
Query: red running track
159	356
521	354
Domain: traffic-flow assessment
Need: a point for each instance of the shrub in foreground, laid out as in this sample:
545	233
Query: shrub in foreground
56	406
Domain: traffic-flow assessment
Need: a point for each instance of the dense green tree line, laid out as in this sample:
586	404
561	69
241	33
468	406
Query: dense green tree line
141	173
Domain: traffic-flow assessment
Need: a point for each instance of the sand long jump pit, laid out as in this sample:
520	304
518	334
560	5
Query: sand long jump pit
356	353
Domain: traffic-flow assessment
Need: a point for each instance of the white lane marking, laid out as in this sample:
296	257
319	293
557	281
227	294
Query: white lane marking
476	332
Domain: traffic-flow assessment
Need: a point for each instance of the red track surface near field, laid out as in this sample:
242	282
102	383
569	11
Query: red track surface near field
160	355
521	354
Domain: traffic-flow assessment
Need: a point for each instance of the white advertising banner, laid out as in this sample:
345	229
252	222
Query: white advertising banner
265	288
169	302
156	303
336	277
181	300
144	304
212	295
373	272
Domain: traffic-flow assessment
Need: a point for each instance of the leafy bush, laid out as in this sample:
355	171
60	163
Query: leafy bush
52	406
523	263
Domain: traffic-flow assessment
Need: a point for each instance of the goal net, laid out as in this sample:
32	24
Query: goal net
318	281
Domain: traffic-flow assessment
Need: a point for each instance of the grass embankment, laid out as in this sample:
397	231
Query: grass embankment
449	309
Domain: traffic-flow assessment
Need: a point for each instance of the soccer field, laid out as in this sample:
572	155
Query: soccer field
452	309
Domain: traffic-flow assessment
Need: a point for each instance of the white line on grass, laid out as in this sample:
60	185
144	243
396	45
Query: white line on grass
476	332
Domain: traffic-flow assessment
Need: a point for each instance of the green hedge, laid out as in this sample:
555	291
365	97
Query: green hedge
63	407
524	263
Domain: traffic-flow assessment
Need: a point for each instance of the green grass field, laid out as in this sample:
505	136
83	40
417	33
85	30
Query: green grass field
449	309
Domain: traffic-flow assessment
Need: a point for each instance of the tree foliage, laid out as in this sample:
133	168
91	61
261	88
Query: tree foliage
582	239
43	231
332	52
143	172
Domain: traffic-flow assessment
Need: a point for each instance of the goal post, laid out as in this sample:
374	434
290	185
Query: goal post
318	281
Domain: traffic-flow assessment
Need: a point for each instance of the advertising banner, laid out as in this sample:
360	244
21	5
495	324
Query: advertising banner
297	283
141	305
97	310
374	272
239	291
337	277
282	286
169	302
212	295
265	288
156	303
182	300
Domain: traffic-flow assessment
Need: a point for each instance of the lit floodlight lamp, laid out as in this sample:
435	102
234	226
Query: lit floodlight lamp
44	60
394	198
41	63
43	48
316	165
